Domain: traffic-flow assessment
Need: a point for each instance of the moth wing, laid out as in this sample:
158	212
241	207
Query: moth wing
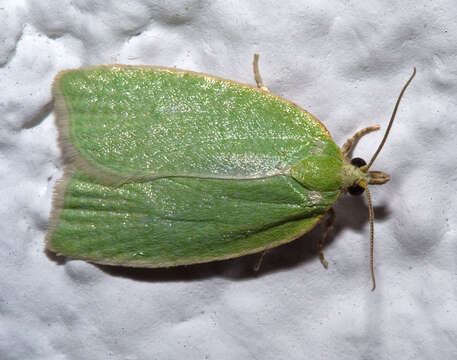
174	221
121	123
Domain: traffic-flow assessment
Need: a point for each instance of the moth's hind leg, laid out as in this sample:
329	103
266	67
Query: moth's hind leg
350	142
327	227
320	245
257	77
259	261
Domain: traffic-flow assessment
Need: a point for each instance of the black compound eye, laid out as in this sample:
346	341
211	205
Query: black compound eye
359	162
356	190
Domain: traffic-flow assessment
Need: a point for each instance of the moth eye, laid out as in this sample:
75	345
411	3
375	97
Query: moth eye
356	190
359	162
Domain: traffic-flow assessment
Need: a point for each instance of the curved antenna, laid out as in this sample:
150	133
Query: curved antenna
391	121
371	217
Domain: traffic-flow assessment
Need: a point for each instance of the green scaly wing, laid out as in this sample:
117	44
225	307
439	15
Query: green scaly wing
170	167
173	221
154	122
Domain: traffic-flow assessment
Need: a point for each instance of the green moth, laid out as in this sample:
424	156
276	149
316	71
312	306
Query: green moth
168	167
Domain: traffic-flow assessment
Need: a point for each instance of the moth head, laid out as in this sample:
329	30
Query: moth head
374	177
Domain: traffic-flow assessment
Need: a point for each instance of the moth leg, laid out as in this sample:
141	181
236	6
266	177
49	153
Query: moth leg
350	142
259	261
257	77
327	227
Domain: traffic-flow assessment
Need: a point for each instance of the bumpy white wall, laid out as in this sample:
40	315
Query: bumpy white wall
343	61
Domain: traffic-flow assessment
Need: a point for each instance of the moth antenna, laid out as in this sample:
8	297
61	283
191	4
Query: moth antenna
391	121
371	217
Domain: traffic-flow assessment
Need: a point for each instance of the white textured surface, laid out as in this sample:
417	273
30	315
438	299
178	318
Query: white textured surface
343	62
